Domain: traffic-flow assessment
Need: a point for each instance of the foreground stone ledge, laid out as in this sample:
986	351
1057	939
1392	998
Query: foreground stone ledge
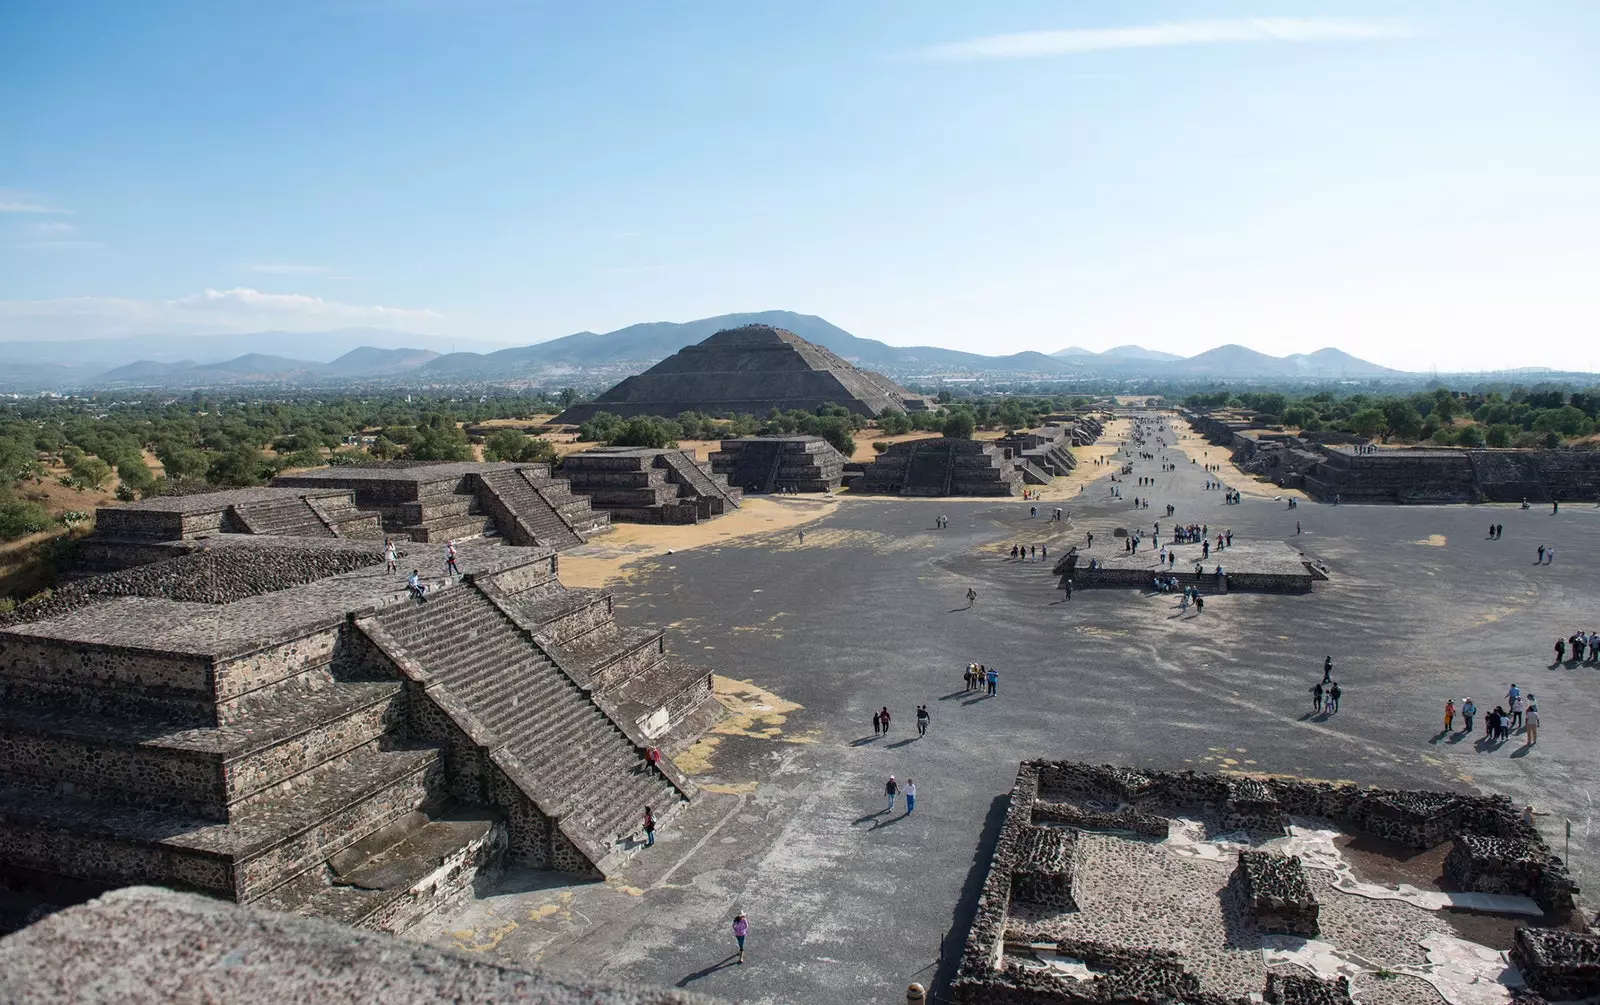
148	946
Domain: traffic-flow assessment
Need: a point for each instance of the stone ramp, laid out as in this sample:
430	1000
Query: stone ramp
593	778
522	513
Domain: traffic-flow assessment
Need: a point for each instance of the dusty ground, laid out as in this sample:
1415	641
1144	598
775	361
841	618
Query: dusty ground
810	638
607	557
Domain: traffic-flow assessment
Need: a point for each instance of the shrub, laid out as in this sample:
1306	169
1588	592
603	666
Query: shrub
19	518
879	446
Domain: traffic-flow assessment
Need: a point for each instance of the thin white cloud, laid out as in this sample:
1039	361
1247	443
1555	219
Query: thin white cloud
1042	44
288	270
13	201
63	245
14	206
55	227
231	311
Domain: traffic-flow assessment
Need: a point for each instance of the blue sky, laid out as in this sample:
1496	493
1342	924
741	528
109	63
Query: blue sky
1412	182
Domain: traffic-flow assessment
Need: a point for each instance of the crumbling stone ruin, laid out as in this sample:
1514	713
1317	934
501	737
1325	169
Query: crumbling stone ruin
647	485
275	720
1045	452
1065	818
1275	888
750	371
943	467
779	464
1559	965
1327	467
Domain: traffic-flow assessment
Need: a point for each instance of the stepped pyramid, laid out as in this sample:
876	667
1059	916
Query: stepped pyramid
749	371
296	731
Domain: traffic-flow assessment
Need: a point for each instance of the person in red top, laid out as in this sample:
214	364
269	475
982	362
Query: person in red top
649	827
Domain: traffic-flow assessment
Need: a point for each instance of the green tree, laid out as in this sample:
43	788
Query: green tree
1470	436
240	466
645	431
960	424
1402	418
1368	422
893	422
1499	435
135	475
181	463
90	472
510	445
439	439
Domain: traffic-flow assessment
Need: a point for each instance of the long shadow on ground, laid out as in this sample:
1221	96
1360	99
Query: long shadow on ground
967	906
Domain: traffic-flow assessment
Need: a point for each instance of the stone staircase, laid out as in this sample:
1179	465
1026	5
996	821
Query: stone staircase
591	776
708	490
292	517
522	515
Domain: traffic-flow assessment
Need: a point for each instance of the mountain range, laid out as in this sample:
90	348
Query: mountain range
276	357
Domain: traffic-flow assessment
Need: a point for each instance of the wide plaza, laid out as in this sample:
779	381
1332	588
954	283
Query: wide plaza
849	903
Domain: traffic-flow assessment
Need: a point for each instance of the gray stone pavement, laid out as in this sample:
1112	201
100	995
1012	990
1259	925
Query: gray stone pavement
847	903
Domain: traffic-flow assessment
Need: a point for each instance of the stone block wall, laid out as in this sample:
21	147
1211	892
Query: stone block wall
1559	965
1275	889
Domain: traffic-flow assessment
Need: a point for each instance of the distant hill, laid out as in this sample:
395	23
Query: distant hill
650	342
295	358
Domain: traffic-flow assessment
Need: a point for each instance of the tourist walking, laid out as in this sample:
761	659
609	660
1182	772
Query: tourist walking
1316	697
1333	697
1327	670
883	713
923	718
889	789
994	681
390	559
741	928
649	827
911	796
1532	722
1449	713
972	596
1541	556
450	566
1561	650
1469	709
877	724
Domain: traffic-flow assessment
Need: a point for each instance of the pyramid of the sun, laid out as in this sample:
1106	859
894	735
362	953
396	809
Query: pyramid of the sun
749	370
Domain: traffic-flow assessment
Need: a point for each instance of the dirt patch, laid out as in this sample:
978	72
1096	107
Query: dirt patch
1387	863
602	560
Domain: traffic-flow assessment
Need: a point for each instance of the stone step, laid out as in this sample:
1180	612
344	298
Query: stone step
391	880
207	772
531	707
241	860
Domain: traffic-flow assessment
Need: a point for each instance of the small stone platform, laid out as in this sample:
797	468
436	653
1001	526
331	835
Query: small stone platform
779	464
646	485
1260	566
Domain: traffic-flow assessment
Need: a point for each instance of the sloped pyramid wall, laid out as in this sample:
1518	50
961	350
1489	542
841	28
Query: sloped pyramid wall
749	370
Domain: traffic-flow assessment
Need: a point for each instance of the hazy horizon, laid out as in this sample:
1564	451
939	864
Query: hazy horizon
1408	182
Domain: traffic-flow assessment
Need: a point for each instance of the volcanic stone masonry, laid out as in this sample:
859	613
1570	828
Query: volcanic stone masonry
943	467
750	371
647	485
1327	466
1041	869
779	464
275	720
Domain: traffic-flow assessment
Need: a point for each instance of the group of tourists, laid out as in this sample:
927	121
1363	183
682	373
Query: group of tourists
1030	552
1232	497
414	584
1581	642
1546	553
978	677
1189	533
1325	694
1499	723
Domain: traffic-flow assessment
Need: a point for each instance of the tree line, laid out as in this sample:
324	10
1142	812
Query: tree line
1518	418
